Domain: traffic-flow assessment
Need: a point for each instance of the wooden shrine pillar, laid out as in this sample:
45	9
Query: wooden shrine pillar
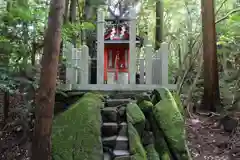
132	47
100	46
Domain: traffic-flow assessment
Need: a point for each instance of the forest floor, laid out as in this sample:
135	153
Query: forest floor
207	140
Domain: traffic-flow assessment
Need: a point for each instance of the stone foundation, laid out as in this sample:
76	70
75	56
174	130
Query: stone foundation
121	127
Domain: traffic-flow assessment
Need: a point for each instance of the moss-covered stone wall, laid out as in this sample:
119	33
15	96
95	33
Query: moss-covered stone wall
155	129
76	132
162	132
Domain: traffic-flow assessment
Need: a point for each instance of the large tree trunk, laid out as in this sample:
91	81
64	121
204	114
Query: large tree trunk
46	95
159	24
211	98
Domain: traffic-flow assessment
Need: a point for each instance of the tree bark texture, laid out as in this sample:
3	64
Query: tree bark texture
73	18
65	15
62	67
159	24
211	97
41	147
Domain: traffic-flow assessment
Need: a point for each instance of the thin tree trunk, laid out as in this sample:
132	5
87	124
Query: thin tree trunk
41	147
159	24
62	67
211	97
33	54
65	17
72	18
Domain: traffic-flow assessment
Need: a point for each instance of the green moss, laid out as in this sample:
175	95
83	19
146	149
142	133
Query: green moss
161	146
95	95
136	117
159	141
146	106
156	96
179	103
151	152
143	96
171	122
76	132
136	148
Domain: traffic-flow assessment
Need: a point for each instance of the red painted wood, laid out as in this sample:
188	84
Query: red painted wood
117	49
105	64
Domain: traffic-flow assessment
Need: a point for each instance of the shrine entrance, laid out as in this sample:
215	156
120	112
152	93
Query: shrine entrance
116	64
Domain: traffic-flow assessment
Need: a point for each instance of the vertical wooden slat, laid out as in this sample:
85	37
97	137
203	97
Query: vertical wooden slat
68	53
126	58
75	65
164	64
110	59
100	46
85	66
132	46
149	63
142	70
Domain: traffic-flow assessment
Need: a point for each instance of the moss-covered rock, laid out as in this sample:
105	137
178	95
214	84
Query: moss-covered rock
171	122
179	103
136	149
151	152
160	144
143	96
147	138
76	132
146	106
158	94
95	95
136	117
154	99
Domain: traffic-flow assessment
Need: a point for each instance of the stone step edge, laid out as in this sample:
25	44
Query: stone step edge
116	138
126	152
116	152
117	100
114	124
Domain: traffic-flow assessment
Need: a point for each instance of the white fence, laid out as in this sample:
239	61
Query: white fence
153	70
77	64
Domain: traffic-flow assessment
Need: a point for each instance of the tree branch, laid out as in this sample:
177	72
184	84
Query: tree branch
227	15
220	7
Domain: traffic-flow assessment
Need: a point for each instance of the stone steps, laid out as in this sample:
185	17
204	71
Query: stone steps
117	102
116	142
122	95
114	129
118	155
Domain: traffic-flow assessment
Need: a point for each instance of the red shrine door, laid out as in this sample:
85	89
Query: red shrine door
116	64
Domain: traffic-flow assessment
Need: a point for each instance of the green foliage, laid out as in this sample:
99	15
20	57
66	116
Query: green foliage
23	24
74	29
